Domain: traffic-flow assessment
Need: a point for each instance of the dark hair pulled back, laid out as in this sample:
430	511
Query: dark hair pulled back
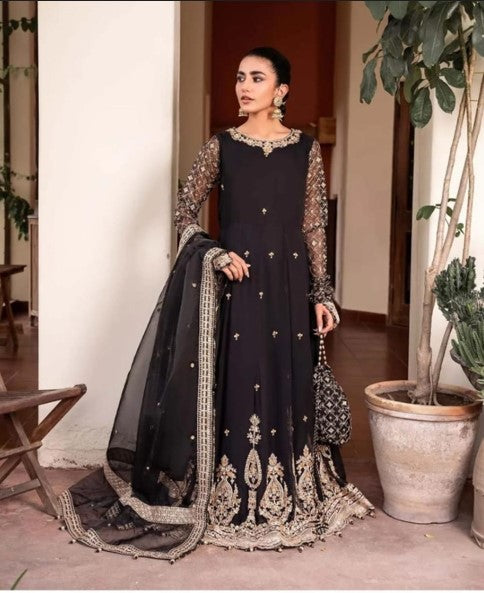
280	64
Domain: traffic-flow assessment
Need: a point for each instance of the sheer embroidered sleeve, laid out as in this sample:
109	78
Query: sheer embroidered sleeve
203	176
314	222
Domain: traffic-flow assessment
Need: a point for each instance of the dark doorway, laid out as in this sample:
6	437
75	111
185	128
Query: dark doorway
401	223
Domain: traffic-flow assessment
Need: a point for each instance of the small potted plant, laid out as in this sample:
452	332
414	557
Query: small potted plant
463	305
423	431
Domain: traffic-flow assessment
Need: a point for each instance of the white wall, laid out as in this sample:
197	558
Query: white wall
108	98
432	145
361	169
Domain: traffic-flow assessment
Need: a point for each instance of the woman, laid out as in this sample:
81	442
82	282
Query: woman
213	438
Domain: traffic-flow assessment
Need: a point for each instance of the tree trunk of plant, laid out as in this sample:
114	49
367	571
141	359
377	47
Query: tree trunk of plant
427	380
469	74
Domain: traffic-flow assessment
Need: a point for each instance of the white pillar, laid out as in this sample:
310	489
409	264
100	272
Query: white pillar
108	97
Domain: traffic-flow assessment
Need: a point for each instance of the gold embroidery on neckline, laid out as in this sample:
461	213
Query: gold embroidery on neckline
266	145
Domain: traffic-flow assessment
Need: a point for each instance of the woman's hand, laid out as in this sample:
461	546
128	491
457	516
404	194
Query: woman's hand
322	313
237	269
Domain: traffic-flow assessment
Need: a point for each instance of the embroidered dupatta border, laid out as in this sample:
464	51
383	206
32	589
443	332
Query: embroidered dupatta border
195	514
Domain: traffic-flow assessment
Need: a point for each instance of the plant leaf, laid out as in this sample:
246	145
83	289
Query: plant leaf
411	24
445	96
367	53
387	77
421	108
413	77
433	34
376	8
452	47
453	23
398	8
478	31
432	75
454	77
396	65
425	212
390	40
368	82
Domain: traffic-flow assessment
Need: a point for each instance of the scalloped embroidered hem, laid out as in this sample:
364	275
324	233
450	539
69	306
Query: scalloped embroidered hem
335	514
91	538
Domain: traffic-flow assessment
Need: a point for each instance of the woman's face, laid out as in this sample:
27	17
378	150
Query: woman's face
257	81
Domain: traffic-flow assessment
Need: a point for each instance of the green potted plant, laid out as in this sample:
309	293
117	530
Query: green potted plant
423	431
463	305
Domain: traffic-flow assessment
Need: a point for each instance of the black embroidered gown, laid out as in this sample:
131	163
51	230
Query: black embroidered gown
271	487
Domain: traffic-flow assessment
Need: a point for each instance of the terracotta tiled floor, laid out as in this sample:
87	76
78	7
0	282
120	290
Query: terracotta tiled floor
377	553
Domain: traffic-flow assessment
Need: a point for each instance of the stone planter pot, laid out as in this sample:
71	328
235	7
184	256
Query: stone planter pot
477	527
422	453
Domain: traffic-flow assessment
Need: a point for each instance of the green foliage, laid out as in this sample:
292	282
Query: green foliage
463	305
17	208
420	48
24	24
456	294
425	212
25	70
470	348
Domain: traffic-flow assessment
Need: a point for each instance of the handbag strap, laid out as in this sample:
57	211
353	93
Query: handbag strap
321	349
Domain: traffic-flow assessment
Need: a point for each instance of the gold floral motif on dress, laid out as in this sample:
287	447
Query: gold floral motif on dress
253	468
276	503
177	489
266	145
224	501
311	517
306	487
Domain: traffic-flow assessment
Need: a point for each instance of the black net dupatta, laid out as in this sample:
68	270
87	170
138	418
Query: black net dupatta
151	495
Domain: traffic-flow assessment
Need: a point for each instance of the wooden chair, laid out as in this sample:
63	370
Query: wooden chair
11	403
6	272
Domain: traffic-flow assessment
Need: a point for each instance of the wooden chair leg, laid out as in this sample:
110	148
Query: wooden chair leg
33	467
5	283
53	417
40	431
24	446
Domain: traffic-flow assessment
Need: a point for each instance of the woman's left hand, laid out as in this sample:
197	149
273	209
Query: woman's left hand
324	319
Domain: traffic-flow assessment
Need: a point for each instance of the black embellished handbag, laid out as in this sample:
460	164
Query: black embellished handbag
332	420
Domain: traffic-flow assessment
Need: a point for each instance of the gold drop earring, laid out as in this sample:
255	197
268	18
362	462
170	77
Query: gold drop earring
242	113
277	113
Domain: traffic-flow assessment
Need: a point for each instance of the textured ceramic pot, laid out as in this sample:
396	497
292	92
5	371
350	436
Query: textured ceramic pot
423	453
477	527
